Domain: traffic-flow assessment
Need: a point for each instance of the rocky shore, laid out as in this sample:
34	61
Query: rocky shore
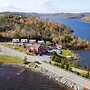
62	81
54	74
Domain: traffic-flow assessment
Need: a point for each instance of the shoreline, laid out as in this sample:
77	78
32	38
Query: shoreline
61	81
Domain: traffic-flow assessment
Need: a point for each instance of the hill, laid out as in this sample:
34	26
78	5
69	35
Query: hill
23	25
66	15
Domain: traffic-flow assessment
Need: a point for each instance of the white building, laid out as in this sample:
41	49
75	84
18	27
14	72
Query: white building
15	41
32	41
41	41
24	40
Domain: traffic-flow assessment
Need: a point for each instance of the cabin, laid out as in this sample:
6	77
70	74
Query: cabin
37	49
15	40
32	41
58	46
41	41
24	41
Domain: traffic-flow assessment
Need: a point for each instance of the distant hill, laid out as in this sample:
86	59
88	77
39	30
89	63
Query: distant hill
65	15
19	14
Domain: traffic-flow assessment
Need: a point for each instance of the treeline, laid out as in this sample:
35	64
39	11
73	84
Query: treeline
34	27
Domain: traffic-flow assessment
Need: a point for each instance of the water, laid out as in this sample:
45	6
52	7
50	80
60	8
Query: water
85	58
28	80
81	30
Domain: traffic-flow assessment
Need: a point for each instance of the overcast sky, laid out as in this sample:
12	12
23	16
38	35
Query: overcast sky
45	6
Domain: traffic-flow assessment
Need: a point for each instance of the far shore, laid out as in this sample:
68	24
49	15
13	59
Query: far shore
86	19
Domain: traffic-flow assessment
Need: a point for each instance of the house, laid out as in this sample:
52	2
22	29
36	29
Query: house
37	48
32	41
41	41
58	46
24	40
15	40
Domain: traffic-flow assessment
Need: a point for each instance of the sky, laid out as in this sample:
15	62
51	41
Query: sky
45	6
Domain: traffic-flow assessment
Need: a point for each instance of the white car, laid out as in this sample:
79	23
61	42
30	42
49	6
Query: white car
54	50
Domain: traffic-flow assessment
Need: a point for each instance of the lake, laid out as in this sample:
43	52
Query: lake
28	80
81	30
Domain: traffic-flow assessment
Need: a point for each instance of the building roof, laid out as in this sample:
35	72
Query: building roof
24	40
15	40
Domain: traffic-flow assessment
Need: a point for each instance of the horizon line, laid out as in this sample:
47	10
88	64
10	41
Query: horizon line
42	12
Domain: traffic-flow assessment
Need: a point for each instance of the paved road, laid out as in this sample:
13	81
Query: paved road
58	71
12	52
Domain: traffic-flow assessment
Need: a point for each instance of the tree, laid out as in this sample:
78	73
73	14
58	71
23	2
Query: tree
67	66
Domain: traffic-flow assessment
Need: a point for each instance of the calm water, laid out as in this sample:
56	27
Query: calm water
81	30
85	58
28	80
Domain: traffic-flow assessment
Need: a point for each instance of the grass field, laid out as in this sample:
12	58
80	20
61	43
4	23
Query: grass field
66	53
16	47
10	60
81	71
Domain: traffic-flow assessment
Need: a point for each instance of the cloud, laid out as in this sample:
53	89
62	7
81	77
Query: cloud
42	6
45	6
30	5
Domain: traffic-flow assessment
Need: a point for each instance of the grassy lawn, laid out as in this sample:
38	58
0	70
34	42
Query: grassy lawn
82	72
66	53
10	60
16	47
